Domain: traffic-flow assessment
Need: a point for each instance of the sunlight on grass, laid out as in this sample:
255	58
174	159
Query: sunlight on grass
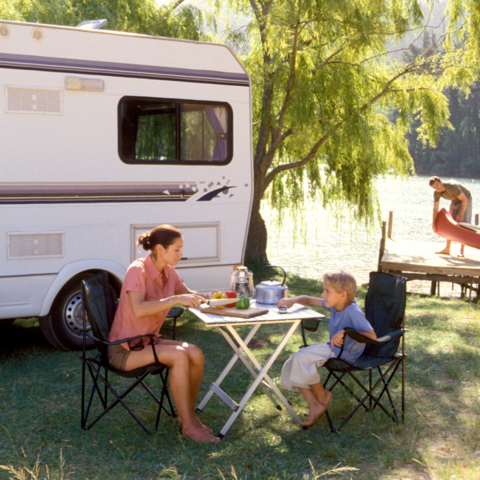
40	402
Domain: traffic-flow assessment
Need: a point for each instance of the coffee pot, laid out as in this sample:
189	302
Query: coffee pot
242	282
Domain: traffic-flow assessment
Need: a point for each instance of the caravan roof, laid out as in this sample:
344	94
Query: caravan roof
106	52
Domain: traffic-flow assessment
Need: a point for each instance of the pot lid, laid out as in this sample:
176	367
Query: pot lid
271	283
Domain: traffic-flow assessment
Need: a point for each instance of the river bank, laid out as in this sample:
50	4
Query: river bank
328	244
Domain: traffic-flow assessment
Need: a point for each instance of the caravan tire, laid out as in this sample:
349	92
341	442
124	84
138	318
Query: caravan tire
63	327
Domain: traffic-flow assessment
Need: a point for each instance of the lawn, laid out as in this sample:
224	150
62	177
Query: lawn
41	436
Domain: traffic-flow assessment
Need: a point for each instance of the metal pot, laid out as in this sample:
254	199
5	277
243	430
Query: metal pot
271	291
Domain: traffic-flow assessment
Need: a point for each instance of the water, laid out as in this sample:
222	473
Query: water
328	246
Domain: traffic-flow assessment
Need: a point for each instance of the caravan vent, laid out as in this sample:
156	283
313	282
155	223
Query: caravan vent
35	245
4	31
37	34
27	100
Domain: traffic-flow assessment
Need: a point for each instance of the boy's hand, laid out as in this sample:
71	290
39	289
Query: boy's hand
288	302
337	339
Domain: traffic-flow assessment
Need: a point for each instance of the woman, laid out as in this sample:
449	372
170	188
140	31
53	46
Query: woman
151	287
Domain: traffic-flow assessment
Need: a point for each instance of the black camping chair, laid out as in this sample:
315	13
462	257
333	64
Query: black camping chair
385	310
100	303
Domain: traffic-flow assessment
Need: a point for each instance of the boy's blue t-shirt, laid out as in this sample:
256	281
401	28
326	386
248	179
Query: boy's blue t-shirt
351	317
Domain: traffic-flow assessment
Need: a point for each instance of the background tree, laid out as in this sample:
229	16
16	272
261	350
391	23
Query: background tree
173	19
324	80
325	83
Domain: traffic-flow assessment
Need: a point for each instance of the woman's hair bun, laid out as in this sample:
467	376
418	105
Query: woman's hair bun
144	241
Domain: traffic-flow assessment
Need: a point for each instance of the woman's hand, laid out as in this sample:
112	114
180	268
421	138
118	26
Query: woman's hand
337	339
189	300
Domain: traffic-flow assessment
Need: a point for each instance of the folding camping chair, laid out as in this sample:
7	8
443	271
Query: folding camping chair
100	303
385	310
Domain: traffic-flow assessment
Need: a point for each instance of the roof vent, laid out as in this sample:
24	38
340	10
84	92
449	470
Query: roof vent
92	24
37	34
4	31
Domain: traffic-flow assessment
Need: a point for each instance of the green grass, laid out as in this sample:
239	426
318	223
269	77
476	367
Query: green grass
41	438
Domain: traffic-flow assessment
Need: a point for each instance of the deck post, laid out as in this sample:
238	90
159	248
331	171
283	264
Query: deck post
382	245
433	289
476	219
390	225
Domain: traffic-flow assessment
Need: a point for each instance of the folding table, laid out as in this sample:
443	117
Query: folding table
226	325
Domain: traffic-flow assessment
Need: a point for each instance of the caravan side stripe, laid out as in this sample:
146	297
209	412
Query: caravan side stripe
105	193
91	67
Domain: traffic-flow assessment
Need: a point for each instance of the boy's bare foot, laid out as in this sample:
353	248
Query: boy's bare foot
199	435
443	252
315	413
317	410
327	399
461	255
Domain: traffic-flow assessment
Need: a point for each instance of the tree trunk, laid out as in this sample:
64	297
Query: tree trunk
257	233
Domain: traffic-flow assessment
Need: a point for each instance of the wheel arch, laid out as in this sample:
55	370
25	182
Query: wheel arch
115	270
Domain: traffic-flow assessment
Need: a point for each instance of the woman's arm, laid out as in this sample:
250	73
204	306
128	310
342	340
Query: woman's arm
186	291
142	308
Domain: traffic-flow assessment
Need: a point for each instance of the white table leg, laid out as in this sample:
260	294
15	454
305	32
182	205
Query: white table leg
227	369
276	352
261	374
238	350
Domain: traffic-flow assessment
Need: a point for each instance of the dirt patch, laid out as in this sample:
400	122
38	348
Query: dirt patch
258	343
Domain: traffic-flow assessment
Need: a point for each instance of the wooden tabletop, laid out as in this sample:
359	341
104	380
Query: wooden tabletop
296	312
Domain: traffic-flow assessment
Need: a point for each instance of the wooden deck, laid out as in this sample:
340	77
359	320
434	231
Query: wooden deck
418	261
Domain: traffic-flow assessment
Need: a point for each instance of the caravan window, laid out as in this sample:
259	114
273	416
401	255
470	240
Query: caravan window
153	130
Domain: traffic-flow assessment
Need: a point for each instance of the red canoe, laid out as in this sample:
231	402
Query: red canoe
447	227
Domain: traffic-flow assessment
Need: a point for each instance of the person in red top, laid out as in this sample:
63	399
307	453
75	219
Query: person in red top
151	287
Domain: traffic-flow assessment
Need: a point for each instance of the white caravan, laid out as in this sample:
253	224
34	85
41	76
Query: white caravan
105	135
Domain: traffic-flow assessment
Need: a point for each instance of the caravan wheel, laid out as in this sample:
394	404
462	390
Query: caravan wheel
63	327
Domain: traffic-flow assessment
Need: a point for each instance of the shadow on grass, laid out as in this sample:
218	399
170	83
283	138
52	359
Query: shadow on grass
40	403
22	338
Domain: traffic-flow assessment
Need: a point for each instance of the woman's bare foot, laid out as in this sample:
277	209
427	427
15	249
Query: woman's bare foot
443	252
202	425
199	435
317	410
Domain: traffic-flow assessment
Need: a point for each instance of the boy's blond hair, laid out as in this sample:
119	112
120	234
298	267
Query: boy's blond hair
342	282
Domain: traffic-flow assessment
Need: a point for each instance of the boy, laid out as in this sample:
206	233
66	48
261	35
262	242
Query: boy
300	371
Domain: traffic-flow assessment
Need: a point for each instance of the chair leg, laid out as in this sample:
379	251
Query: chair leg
95	387
119	399
370	386
403	388
82	424
390	372
344	385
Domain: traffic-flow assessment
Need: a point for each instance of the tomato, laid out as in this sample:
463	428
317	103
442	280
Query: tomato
230	294
218	296
243	303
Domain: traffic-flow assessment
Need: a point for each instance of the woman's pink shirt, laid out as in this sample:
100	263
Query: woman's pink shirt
143	276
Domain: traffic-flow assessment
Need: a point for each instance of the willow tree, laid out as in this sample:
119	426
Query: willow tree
171	19
327	76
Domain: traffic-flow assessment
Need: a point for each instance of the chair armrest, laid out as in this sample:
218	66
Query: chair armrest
391	336
118	342
358	337
363	339
350	332
311	325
